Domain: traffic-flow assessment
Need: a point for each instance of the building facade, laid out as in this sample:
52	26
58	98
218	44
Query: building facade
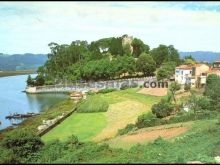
194	75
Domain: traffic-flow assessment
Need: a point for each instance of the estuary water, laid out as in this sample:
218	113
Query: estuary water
13	100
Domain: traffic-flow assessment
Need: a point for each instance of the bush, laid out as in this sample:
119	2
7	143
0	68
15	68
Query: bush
189	116
128	128
218	119
22	143
7	157
124	86
108	90
187	87
90	93
162	109
93	104
148	120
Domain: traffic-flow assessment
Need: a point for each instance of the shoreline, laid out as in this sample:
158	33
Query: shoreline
33	122
16	73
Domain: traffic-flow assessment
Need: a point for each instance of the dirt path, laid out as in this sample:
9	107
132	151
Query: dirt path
151	135
154	91
146	135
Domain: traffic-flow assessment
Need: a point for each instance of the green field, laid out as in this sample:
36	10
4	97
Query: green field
124	107
83	125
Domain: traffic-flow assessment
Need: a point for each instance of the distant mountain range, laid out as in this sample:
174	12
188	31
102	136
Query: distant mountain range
202	55
33	61
21	61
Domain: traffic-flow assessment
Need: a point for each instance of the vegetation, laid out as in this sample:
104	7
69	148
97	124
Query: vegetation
165	53
166	70
189	60
192	145
107	90
21	62
162	109
212	91
32	123
84	125
146	64
93	103
174	87
107	58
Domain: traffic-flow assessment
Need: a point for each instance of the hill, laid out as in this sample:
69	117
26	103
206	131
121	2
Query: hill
202	55
21	61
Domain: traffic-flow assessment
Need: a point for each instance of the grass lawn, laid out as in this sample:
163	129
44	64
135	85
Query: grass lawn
83	125
124	108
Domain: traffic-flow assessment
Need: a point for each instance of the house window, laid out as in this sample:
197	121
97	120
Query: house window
181	72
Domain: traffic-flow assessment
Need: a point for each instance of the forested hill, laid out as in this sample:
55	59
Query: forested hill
202	55
21	61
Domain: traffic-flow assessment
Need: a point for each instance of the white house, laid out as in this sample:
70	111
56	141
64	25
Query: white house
195	74
183	74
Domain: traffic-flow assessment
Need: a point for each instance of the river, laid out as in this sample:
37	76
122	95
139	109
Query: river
13	100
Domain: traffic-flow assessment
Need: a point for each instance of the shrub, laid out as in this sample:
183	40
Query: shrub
22	143
218	119
93	104
128	128
90	93
72	141
162	109
148	120
7	157
124	86
108	90
187	87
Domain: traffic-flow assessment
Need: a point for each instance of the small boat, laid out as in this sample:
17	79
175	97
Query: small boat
20	116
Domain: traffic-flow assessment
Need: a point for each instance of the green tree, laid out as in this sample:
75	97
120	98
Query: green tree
165	53
116	48
40	80
146	64
162	109
30	81
173	88
139	47
166	71
212	90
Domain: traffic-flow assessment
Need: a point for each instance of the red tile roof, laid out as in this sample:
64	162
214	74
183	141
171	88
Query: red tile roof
184	67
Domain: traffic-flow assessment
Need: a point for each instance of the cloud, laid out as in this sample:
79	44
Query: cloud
32	25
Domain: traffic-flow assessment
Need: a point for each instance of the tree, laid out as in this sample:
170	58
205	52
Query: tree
146	64
189	57
39	80
197	103
95	51
165	53
166	70
173	88
162	109
30	81
139	47
116	47
212	90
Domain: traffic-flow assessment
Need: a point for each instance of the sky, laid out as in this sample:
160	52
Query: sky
28	27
